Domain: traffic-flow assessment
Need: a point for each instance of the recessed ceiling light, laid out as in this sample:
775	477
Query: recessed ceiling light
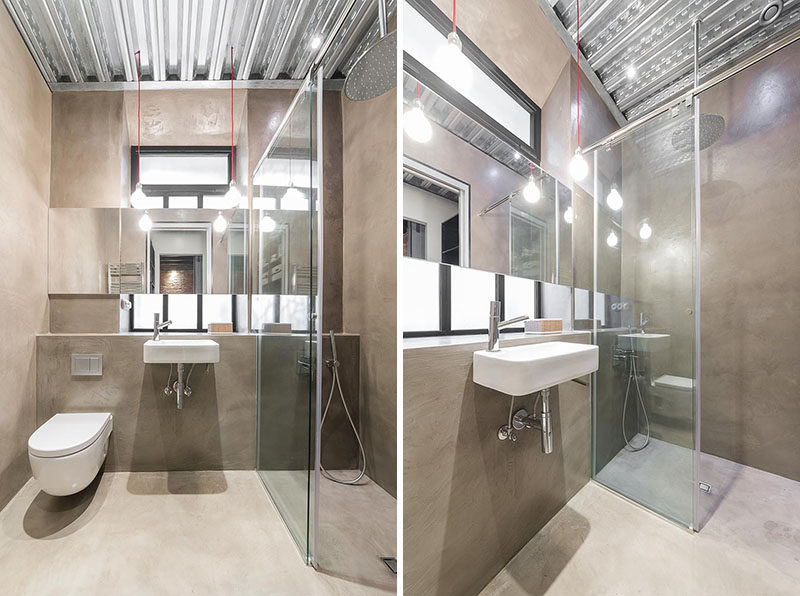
631	72
315	43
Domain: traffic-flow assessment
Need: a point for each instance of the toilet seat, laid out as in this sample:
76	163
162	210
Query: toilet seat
66	434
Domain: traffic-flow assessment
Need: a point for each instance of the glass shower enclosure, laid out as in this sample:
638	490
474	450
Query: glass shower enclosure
643	315
284	308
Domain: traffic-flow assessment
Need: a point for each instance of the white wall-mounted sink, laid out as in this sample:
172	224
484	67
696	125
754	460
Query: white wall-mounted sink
521	370
644	342
181	351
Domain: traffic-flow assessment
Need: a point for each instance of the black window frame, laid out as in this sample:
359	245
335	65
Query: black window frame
181	190
419	71
165	315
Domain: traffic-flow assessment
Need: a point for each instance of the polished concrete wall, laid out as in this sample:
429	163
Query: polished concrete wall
84	314
214	431
471	501
750	286
369	288
24	178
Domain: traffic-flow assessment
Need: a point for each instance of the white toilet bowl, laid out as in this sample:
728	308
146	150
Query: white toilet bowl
66	452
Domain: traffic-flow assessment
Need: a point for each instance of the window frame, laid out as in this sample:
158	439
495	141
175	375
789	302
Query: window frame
165	315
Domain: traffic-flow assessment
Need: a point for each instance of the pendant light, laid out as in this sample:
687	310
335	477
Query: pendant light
531	191
614	200
233	197
455	66
138	197
416	123
145	223
568	215
268	224
612	239
578	168
645	231
220	223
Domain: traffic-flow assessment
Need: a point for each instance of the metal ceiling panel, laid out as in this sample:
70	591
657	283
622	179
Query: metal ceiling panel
93	42
653	40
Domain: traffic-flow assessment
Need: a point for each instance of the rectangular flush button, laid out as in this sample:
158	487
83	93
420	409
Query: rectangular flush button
87	365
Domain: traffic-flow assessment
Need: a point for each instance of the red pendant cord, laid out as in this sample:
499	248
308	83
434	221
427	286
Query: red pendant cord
139	117
233	161
417	89
454	16
578	64
531	169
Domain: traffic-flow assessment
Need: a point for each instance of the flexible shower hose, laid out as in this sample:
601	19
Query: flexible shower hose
336	384
633	375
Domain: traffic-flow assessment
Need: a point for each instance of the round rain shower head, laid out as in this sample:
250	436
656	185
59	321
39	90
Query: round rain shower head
770	12
711	128
375	72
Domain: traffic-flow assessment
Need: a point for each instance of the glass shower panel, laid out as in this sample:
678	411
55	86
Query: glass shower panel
643	316
284	303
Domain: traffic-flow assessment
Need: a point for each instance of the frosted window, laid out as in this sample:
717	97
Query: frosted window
581	303
216	202
294	310
182	310
472	290
263	310
150	203
183	202
420	295
188	170
217	308
556	303
520	294
144	305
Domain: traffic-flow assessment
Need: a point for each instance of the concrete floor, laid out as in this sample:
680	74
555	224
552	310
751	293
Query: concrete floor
156	533
602	544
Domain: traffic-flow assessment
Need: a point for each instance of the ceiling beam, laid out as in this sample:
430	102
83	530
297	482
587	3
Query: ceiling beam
330	85
594	80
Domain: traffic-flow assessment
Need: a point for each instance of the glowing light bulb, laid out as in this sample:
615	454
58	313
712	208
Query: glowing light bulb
568	215
315	43
631	72
233	197
612	239
293	199
531	191
578	168
645	231
614	200
268	224
416	123
138	197
145	223
220	224
454	65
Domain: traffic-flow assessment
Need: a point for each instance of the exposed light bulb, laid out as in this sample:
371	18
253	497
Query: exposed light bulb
268	224
645	231
138	197
233	197
243	202
315	43
614	200
612	239
631	72
578	168
293	199
145	223
220	224
568	215
531	191
416	123
455	66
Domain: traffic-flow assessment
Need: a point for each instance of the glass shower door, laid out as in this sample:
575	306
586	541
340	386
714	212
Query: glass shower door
643	312
284	306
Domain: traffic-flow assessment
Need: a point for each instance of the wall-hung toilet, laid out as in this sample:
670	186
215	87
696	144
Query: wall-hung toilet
66	452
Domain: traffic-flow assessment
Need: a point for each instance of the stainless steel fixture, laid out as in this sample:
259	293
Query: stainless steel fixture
521	419
375	72
157	327
642	322
495	324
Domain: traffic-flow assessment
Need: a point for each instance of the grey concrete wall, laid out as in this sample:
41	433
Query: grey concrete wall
369	289
25	182
216	429
471	501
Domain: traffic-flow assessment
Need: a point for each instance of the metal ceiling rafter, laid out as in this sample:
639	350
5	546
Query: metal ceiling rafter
91	30
123	38
247	65
27	36
288	40
63	42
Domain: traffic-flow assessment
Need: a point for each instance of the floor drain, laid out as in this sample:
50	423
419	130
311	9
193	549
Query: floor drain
706	488
391	563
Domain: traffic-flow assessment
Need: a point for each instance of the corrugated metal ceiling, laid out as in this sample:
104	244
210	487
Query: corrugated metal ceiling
94	41
655	38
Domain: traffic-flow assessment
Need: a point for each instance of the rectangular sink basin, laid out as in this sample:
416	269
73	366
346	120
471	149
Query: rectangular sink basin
521	370
644	342
181	351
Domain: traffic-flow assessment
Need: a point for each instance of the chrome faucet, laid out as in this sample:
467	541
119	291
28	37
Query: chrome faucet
642	322
157	327
495	324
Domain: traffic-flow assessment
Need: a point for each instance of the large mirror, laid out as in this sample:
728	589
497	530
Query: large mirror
470	198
